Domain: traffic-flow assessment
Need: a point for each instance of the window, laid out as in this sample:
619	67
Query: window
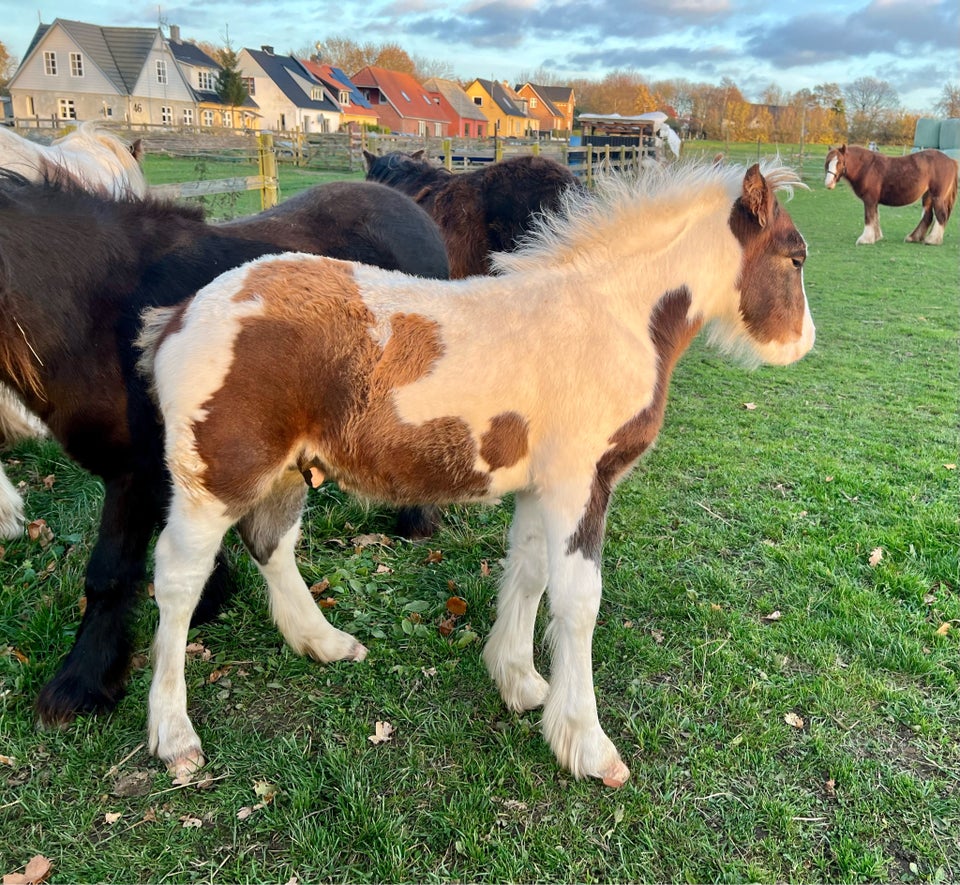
344	97
226	119
421	128
67	110
50	64
404	94
205	81
166	115
316	93
478	101
248	83
31	110
161	70
76	64
533	103
188	116
438	129
208	118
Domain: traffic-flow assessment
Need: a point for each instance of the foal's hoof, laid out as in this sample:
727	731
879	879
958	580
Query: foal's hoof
185	767
616	775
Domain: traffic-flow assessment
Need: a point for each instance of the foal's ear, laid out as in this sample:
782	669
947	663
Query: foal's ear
417	155
368	158
842	149
137	150
757	197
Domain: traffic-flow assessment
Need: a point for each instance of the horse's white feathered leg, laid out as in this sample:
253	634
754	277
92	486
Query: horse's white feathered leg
184	557
508	653
11	509
570	722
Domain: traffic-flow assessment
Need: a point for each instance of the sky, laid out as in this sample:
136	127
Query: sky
914	45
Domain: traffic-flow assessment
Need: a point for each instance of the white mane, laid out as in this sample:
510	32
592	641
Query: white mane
587	222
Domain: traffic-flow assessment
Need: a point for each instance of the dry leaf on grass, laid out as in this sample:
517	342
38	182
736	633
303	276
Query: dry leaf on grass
793	720
48	481
36	872
943	629
773	616
384	733
749	406
434	556
39	531
875	556
111	817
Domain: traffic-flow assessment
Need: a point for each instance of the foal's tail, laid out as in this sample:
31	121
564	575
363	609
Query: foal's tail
157	324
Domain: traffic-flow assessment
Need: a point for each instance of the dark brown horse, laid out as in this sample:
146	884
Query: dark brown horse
930	176
76	270
479	212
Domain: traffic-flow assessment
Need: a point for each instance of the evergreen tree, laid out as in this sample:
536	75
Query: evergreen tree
230	88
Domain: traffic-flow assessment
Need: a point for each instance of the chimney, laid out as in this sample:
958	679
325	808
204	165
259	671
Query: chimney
267	49
174	33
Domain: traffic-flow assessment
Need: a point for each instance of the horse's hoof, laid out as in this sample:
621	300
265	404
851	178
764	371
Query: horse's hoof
185	767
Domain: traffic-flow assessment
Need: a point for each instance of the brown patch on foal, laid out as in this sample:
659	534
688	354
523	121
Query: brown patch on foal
671	332
309	386
506	442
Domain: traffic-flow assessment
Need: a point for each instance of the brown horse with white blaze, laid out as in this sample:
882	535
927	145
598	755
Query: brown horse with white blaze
410	390
929	176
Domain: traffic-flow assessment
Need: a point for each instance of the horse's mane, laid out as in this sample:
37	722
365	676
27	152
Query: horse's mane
586	222
400	170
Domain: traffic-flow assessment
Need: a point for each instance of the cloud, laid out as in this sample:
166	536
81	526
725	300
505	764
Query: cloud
881	27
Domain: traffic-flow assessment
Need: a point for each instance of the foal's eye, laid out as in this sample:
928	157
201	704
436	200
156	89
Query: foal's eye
798	263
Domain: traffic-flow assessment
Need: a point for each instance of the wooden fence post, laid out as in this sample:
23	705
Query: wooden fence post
448	154
269	188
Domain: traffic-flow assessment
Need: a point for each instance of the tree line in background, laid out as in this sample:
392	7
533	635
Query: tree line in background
865	110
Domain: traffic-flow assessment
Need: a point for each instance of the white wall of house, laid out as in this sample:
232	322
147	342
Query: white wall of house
161	94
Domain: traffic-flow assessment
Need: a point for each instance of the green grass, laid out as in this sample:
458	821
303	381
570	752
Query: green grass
737	514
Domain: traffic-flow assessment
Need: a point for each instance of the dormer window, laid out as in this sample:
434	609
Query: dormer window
344	97
316	93
205	81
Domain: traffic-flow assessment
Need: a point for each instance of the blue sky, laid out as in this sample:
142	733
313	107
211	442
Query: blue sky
912	44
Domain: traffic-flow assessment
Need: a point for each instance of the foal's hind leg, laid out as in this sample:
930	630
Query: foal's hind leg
508	653
926	218
271	531
11	509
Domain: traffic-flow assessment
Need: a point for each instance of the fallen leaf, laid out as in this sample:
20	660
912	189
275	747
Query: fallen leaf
111	817
457	606
749	406
773	616
384	733
19	655
320	587
39	531
943	629
384	569
245	812
447	626
198	650
38	868
657	636
434	556
265	790
367	540
137	783
875	556
950	466
82	605
8	760
191	823
792	719
48	481
830	787
484	568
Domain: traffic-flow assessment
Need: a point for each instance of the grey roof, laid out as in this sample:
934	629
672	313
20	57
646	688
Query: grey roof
461	103
191	54
554	93
506	104
280	69
119	52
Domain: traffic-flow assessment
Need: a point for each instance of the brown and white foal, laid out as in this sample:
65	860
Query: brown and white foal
407	390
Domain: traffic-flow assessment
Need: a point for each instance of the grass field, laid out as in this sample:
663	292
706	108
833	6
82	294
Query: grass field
778	657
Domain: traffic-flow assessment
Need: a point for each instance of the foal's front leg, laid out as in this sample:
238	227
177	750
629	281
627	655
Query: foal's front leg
508	653
570	722
871	225
184	558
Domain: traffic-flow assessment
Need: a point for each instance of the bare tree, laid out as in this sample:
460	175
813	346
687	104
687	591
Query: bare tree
872	105
949	103
8	64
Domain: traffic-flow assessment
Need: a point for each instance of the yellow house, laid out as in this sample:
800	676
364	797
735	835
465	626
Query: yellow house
506	111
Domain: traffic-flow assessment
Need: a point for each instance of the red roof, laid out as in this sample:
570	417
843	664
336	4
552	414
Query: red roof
407	97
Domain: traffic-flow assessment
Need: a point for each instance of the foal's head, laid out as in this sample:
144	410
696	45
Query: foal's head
776	323
401	170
